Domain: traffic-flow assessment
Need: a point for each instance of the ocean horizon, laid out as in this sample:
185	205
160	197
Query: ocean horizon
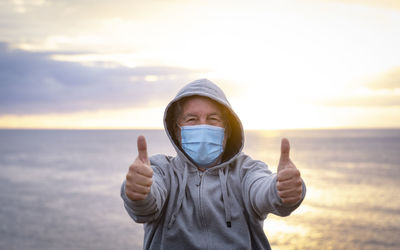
60	187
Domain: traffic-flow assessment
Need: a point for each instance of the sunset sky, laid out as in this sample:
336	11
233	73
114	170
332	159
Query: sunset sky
116	64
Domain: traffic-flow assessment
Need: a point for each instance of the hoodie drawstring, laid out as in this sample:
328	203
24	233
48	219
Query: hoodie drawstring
225	196
181	194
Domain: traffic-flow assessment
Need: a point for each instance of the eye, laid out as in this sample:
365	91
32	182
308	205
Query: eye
190	120
215	118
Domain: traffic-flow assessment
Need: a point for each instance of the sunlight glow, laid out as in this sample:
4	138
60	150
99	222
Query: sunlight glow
149	118
282	65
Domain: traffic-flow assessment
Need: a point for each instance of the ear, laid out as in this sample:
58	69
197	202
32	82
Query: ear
228	130
227	134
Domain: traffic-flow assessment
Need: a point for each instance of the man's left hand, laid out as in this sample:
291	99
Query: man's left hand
289	183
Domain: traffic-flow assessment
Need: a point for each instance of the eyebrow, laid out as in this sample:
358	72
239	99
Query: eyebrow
218	114
187	115
195	115
192	114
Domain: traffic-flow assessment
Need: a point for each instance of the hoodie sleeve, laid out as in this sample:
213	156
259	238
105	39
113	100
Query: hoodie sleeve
259	187
150	208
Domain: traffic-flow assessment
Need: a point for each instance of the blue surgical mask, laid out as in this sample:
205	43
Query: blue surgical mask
203	143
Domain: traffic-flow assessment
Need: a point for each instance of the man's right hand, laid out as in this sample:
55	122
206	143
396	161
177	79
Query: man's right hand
139	176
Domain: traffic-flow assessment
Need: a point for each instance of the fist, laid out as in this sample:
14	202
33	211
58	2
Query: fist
140	173
289	183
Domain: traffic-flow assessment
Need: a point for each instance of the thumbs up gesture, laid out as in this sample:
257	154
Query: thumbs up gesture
289	183
139	176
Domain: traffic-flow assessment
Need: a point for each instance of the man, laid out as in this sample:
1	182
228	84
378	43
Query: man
211	195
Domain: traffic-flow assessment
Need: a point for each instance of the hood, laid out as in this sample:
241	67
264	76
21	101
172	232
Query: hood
206	88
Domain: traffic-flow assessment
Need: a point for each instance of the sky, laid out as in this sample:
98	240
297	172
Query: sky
282	64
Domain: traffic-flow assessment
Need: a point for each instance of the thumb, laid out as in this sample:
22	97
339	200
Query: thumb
142	149
285	150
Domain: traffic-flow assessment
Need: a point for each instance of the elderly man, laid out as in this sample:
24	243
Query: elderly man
211	195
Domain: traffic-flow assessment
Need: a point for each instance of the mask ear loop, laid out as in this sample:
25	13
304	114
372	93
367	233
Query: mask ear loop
178	134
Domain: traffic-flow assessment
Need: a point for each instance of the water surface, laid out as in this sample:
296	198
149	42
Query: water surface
60	188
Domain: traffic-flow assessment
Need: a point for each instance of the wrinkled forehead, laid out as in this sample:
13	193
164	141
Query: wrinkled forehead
199	105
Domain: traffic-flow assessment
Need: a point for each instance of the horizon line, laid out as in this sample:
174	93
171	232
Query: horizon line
250	129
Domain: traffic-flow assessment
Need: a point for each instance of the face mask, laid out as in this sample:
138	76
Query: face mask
203	143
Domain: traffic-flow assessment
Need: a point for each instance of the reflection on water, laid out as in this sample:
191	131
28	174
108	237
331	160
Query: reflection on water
60	189
353	193
278	229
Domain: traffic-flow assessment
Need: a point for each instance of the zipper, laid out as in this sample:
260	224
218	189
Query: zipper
202	217
200	178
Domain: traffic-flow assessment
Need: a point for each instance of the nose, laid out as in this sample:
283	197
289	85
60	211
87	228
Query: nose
203	120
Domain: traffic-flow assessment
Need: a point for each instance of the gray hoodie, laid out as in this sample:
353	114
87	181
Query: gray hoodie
221	208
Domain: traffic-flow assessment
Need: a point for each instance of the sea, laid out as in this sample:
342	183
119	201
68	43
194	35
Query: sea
60	189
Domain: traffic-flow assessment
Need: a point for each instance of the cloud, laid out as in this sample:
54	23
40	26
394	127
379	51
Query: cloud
383	90
72	15
387	100
388	80
33	83
388	4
